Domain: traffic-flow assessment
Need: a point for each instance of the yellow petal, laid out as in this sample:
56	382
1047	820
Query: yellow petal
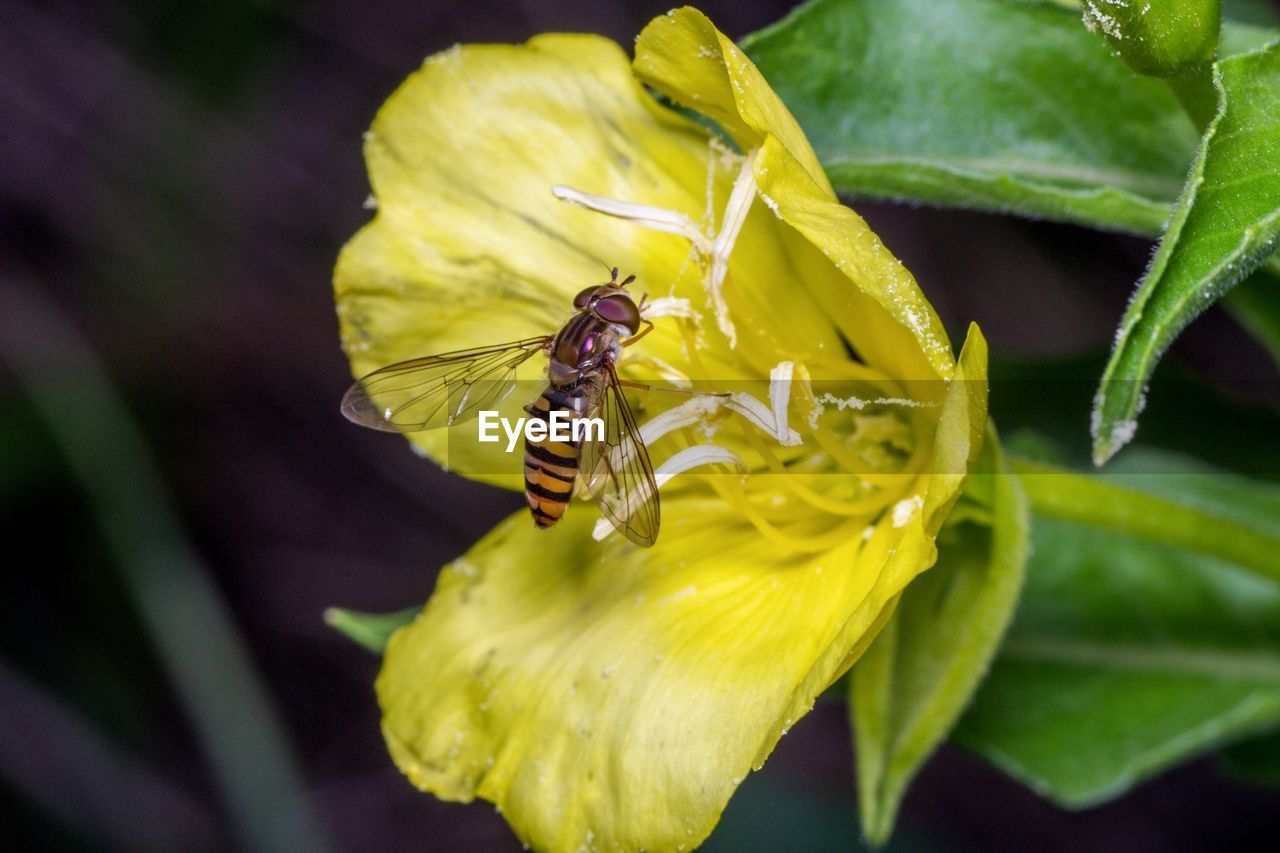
961	429
469	247
610	696
683	55
868	292
886	317
906	534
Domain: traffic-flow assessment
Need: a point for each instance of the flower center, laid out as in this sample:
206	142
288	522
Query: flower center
855	452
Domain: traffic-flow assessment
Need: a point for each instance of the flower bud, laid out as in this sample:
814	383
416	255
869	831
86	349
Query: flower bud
1159	38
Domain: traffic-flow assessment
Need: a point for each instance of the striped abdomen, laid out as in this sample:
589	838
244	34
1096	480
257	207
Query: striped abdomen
551	467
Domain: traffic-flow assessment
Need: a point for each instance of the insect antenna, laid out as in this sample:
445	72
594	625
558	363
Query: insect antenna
605	265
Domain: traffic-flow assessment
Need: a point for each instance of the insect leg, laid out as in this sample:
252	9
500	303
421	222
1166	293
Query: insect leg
648	327
640	386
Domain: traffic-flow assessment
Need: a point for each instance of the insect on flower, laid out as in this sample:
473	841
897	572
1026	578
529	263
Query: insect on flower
444	390
616	697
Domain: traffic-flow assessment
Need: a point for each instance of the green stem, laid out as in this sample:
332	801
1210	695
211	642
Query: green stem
371	630
1059	493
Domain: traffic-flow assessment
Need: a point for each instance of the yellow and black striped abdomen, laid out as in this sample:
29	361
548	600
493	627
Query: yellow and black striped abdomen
551	467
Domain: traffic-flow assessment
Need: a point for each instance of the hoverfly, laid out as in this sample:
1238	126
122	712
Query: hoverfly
443	390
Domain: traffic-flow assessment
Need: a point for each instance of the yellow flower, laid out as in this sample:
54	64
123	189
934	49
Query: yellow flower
603	695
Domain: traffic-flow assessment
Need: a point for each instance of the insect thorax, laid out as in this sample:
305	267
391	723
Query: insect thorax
583	347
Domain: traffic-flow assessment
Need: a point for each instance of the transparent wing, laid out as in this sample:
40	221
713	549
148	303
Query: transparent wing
616	469
439	390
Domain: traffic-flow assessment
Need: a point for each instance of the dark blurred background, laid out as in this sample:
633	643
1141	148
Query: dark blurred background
180	500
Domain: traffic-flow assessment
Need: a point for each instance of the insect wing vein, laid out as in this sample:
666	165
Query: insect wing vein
617	470
438	390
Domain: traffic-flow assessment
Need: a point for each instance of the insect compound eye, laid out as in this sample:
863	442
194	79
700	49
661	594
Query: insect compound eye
620	310
584	298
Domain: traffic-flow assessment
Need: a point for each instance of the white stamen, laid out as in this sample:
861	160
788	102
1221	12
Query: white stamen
686	414
735	216
645	215
689	413
690	457
772	422
668	306
780	395
694	457
760	415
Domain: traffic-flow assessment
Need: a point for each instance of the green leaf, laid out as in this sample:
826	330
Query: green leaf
1178	506
371	630
1243	38
1127	656
1226	223
916	678
996	105
988	104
